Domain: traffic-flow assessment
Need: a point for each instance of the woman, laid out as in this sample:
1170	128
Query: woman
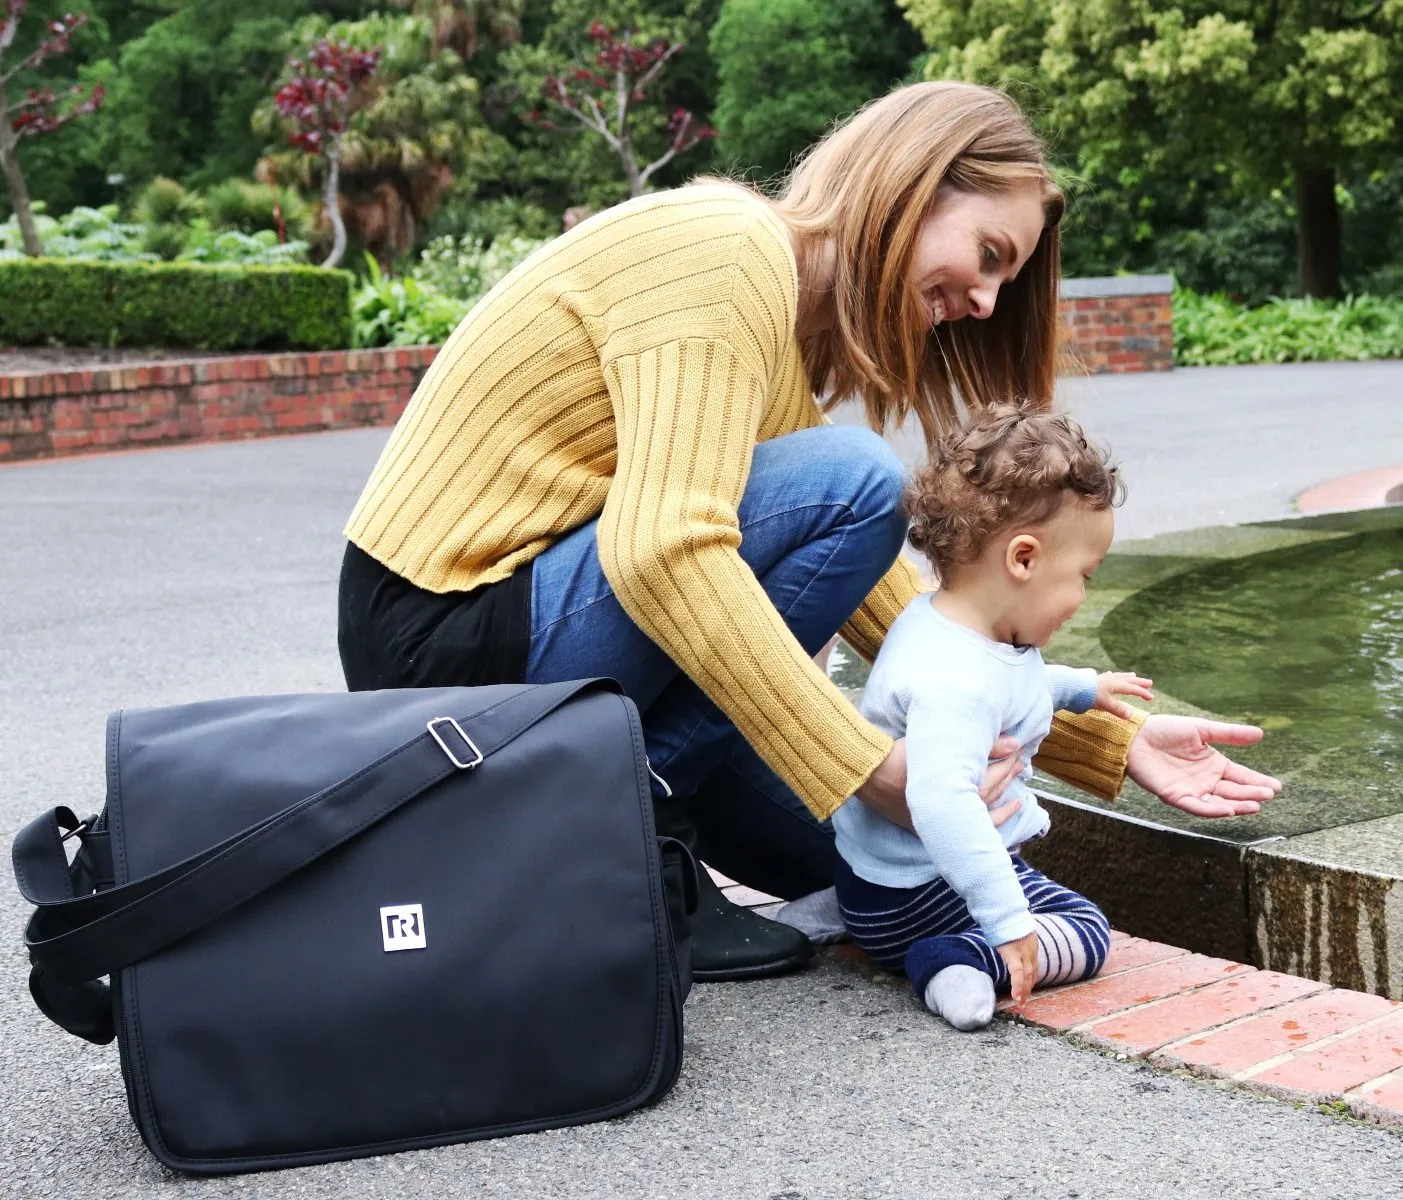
616	466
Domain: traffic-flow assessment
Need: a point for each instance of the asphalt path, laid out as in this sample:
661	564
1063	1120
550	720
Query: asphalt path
159	577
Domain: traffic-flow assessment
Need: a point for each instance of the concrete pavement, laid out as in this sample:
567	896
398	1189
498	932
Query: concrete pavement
154	578
1221	445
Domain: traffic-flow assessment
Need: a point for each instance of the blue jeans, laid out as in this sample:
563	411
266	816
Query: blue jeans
821	522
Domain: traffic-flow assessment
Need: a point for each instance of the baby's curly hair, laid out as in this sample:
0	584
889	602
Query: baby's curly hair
1009	465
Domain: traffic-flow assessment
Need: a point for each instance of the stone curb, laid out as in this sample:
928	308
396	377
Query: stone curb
1117	285
1278	1035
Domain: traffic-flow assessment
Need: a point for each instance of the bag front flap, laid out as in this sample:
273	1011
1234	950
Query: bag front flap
196	774
493	957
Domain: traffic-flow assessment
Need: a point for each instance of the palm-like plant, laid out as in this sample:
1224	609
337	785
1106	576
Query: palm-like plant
401	150
462	26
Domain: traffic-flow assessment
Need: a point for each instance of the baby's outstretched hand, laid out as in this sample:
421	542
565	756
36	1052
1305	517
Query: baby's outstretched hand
1021	959
1110	684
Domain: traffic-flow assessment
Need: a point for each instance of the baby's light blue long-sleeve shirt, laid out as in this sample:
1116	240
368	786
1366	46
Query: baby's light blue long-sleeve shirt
950	692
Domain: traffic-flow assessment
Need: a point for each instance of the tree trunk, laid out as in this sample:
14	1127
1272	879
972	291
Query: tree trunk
14	182
1317	234
331	199
631	171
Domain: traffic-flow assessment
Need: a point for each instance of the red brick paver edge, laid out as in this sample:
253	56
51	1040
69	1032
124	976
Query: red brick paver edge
1293	1038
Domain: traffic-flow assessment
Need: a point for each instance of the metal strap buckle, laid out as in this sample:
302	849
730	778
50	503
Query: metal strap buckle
78	830
467	741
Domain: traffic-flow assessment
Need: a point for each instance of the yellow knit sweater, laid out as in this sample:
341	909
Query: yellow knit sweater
625	372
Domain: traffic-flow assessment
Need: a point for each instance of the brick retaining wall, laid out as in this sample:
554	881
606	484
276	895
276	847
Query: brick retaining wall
1120	323
1117	324
213	399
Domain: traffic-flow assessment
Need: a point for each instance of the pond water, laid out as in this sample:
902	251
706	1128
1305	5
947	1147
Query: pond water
1306	641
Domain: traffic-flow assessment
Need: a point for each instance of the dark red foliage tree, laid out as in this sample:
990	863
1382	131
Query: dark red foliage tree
39	111
601	98
327	86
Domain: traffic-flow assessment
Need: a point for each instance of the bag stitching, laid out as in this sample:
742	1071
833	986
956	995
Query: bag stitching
22	877
660	951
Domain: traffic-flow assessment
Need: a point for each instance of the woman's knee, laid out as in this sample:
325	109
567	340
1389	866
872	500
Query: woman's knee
862	462
819	482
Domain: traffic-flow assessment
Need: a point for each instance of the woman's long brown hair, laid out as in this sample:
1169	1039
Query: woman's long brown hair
866	189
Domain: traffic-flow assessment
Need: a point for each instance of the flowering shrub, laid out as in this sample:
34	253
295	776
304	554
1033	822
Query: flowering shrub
601	99
464	268
40	110
326	87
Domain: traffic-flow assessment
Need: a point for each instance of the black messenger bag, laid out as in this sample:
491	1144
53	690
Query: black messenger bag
347	924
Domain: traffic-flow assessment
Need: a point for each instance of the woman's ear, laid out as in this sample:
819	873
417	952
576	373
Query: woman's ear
1021	556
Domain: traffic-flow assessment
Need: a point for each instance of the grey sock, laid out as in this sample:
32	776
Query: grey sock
816	916
962	995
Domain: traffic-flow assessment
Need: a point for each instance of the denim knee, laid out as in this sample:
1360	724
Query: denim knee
874	475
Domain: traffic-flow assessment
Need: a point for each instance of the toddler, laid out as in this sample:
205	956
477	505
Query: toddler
1014	512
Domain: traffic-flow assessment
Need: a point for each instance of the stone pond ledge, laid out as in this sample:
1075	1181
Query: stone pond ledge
1313	885
1313	905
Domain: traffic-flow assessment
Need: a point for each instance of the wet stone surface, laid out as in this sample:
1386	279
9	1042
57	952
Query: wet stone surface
1326	921
1307	642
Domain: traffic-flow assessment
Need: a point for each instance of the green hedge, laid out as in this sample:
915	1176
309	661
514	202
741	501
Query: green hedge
83	303
1214	331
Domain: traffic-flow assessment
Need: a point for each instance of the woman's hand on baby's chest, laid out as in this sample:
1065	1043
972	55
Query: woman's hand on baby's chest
885	789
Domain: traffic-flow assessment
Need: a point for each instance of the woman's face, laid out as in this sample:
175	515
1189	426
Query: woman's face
970	245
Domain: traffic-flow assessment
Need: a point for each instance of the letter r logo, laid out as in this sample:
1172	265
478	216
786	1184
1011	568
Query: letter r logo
402	927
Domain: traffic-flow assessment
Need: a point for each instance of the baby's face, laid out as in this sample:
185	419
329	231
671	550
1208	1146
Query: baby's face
1073	544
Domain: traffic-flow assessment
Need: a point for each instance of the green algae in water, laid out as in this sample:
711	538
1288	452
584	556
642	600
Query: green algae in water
1306	642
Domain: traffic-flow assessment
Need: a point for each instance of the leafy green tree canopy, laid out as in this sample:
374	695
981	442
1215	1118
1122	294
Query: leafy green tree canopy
1269	92
788	68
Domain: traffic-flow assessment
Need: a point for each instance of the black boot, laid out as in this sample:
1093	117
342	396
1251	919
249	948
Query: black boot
728	941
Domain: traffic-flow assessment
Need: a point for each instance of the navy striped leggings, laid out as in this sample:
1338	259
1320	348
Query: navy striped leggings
924	929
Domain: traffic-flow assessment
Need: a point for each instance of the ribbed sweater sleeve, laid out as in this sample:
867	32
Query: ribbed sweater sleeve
686	414
1089	750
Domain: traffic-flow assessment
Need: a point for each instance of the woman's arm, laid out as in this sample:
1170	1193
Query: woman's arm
686	418
1089	750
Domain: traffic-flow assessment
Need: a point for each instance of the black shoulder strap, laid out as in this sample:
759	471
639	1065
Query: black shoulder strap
74	941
